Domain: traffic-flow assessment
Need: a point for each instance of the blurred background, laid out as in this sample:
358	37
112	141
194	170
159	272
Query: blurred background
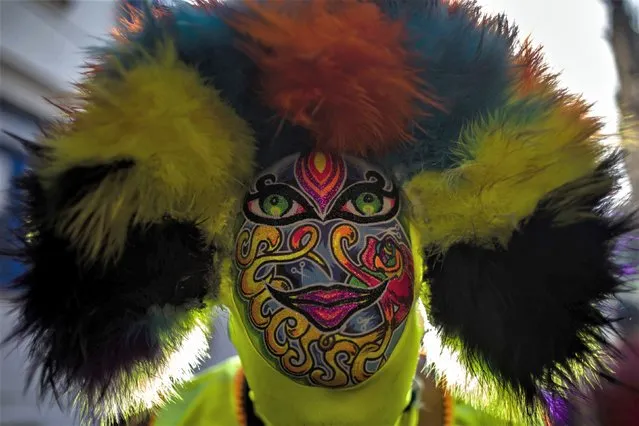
593	43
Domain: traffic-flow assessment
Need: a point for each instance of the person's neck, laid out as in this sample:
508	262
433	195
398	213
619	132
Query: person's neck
254	419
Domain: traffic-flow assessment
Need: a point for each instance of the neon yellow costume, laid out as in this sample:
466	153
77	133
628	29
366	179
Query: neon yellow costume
222	384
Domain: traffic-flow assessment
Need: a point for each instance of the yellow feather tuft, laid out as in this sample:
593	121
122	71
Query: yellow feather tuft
508	165
629	132
193	155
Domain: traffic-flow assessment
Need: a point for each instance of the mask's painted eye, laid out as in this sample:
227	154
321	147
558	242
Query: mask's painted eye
368	204
276	208
275	205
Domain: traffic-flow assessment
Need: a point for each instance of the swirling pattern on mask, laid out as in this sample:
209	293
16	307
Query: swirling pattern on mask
332	331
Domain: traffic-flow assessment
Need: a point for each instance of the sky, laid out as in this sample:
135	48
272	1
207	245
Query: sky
573	34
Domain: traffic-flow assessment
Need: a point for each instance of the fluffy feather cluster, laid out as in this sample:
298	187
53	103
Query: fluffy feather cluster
518	245
112	339
455	63
464	58
537	324
161	116
128	207
345	73
509	161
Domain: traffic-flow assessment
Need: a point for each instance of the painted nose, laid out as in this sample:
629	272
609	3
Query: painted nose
330	272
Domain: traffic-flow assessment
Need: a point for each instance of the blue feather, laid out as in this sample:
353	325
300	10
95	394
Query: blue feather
466	65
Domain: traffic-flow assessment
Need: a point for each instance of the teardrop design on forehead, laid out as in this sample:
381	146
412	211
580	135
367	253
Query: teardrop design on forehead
321	176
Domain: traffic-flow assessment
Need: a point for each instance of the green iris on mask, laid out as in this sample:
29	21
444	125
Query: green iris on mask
275	205
368	203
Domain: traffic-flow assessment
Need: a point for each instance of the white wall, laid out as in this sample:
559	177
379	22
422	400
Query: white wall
42	47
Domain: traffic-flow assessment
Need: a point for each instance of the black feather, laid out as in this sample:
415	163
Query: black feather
527	313
89	324
72	184
77	182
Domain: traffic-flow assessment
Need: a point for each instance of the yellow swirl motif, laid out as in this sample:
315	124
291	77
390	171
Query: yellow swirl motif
344	357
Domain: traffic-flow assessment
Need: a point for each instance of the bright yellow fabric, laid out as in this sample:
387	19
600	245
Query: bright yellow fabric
193	155
209	400
379	400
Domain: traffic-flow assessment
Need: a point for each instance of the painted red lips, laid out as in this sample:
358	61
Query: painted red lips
328	306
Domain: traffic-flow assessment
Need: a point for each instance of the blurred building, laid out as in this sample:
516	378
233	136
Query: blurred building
624	40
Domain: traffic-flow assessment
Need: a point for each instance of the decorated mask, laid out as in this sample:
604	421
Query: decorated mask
325	272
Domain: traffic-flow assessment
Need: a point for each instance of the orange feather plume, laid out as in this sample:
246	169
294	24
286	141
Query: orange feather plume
533	74
132	22
336	68
534	77
453	5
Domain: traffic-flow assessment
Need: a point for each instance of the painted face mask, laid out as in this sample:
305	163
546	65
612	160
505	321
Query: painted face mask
325	272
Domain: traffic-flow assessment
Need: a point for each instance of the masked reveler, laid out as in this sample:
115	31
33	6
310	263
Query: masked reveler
369	189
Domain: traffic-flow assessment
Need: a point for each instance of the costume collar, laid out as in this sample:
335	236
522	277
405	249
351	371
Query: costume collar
246	415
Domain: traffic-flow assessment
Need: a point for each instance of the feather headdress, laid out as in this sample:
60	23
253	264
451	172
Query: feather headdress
128	203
